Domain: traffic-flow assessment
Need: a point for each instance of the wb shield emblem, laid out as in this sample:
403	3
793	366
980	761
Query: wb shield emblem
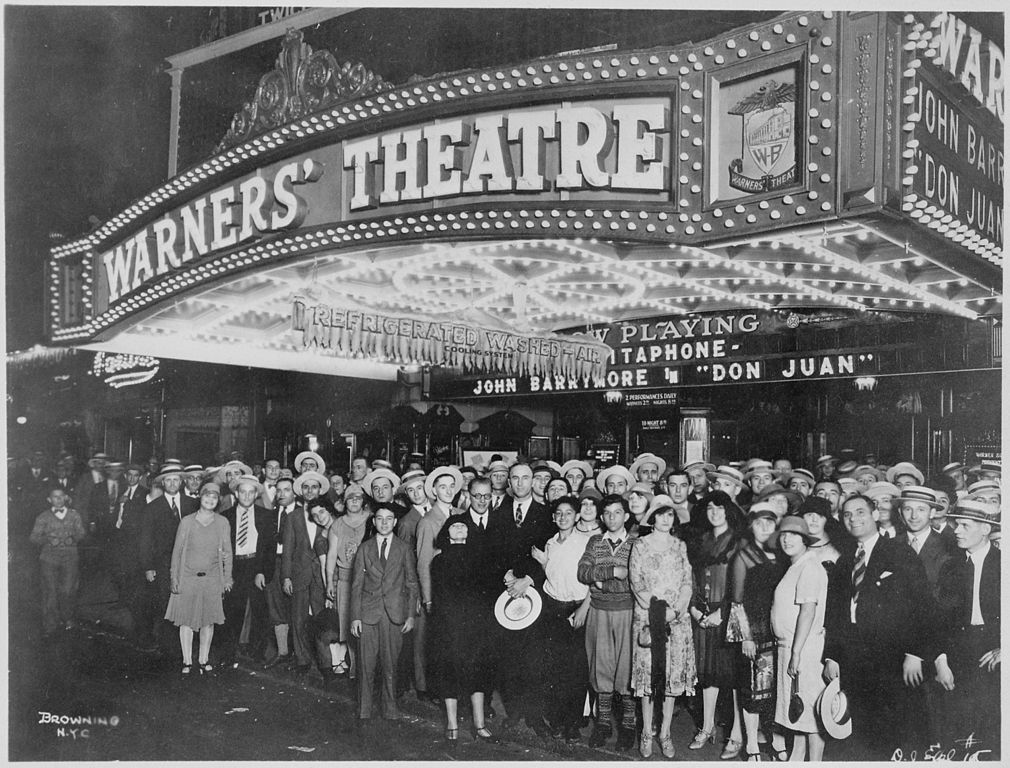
768	139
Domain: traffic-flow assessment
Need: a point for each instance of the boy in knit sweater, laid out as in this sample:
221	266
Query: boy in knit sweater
604	567
57	531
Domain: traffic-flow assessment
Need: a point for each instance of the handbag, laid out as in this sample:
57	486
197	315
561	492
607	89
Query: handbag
795	702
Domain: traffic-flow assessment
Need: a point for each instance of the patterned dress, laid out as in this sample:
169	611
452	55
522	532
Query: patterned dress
663	573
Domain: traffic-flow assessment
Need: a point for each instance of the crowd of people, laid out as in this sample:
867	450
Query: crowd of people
785	609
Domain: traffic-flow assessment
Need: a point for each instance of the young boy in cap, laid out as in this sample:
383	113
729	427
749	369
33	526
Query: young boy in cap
604	567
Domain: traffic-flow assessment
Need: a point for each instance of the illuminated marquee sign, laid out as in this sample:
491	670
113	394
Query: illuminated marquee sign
412	340
219	220
119	370
954	155
669	352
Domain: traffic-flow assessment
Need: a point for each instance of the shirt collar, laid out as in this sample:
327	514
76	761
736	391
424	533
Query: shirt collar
614	535
979	557
870	543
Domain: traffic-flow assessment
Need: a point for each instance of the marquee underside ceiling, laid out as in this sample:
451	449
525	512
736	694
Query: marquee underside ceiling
551	285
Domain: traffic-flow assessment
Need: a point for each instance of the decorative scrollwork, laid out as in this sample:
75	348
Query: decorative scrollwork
303	81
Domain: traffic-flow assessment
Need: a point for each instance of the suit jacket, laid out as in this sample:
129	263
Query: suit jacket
383	589
895	613
266	537
538	526
127	536
956	584
299	561
157	532
91	499
934	554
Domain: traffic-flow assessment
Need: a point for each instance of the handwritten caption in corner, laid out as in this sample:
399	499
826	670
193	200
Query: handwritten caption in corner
77	726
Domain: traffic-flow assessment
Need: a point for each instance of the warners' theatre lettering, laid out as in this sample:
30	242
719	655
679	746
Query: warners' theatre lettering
620	147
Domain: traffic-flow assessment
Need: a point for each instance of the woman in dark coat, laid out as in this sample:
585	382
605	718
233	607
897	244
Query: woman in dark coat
715	658
460	648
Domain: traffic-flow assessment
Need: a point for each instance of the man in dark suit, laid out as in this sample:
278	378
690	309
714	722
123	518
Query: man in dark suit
159	523
384	594
878	625
970	604
126	573
302	577
254	544
522	524
916	505
278	603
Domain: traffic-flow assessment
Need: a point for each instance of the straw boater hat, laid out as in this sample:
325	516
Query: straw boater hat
98	460
848	485
905	468
381	464
727	473
647	458
249	480
617	469
979	511
195	470
883	489
954	466
800	474
381	472
220	479
919	493
755	463
833	710
324	483
992	466
554	465
866	469
826	459
984	485
169	469
847	467
436	473
703	465
320	464
582	466
415	475
497	466
519	612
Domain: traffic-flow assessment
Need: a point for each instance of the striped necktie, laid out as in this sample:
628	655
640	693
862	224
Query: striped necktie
243	528
858	571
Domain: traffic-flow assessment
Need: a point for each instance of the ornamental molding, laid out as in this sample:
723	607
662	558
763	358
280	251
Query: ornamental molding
303	81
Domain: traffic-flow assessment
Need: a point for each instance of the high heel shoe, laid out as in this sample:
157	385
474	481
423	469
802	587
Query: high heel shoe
483	734
186	669
206	669
701	738
452	734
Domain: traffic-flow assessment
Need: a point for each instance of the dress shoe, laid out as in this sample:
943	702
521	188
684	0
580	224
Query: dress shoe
275	660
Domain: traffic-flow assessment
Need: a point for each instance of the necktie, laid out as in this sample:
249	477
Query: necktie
175	509
519	515
383	549
615	543
482	522
916	544
243	528
496	502
858	571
